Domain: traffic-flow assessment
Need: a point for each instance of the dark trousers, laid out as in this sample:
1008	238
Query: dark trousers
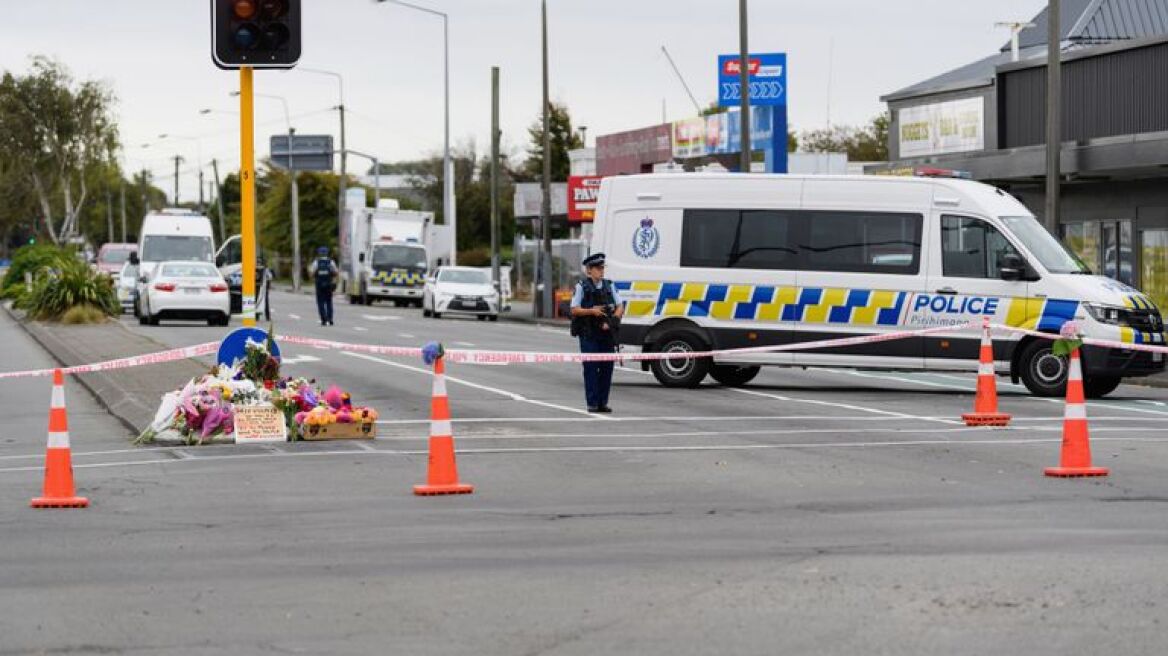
324	304
597	375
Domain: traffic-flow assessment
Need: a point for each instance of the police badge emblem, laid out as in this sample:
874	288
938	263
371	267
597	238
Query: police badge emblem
646	239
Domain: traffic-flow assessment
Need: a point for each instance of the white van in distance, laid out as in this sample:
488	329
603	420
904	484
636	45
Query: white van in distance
723	261
171	235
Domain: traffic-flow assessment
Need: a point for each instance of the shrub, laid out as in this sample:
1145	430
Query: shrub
68	283
29	259
81	314
475	257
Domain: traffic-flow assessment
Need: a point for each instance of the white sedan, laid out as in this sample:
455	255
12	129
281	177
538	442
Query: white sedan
463	290
184	290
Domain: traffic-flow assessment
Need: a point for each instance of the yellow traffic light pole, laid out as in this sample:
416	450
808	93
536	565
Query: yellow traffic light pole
247	193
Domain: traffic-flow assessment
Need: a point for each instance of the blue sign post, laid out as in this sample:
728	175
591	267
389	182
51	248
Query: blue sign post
768	88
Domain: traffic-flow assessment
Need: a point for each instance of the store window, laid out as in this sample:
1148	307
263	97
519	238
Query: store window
1154	265
1118	258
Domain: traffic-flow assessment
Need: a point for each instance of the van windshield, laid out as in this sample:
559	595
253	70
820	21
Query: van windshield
1051	252
159	248
398	256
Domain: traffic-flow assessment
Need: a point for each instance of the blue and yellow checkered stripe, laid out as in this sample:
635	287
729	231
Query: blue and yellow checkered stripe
399	277
857	307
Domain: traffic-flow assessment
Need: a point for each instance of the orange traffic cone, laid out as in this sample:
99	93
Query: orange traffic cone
985	404
442	477
1076	455
58	456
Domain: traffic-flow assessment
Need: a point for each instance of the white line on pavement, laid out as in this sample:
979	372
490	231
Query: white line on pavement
294	316
361	329
846	406
296	359
405	335
512	395
376	317
466	344
603	449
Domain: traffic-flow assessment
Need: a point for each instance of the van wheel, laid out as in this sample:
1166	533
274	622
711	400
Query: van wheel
732	375
1097	387
687	372
1041	371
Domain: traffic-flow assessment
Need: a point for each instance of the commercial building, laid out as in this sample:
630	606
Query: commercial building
988	118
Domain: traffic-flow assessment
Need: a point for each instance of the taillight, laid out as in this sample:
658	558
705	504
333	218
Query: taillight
218	287
164	286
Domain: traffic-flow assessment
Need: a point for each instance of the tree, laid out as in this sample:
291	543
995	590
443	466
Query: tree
563	139
866	144
52	132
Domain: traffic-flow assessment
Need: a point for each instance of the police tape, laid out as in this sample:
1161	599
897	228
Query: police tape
540	357
1090	341
123	363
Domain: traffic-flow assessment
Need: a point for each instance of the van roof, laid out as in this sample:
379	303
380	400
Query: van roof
954	192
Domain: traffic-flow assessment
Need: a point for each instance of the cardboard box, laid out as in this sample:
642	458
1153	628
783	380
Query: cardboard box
354	431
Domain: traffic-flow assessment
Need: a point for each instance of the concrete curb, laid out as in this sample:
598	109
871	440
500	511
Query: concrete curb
109	388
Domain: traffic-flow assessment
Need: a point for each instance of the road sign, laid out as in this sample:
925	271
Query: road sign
310	152
768	80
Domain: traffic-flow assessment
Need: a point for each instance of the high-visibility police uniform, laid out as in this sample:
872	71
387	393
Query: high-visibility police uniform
595	334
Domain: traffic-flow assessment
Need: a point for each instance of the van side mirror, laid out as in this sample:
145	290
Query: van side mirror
134	258
219	260
1012	267
361	258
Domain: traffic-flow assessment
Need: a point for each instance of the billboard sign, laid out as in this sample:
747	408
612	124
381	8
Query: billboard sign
310	152
529	197
633	151
583	191
689	138
953	126
768	79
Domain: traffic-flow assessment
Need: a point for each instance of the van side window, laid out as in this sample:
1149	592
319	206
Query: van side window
738	239
862	242
971	248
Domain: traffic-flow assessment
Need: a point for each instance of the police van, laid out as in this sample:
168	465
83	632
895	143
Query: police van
724	261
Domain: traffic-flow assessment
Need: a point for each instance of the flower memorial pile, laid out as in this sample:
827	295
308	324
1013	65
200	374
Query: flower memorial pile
203	411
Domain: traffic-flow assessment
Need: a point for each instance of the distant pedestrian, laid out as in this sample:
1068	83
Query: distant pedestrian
324	274
596	312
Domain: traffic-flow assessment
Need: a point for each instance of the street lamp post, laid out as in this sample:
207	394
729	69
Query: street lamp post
343	183
448	209
295	190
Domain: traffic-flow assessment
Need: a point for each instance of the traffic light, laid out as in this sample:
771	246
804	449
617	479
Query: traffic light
256	33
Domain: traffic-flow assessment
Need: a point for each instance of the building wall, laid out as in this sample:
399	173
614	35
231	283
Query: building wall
1109	93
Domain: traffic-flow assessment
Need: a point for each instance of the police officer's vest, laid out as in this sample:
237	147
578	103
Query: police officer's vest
324	273
592	297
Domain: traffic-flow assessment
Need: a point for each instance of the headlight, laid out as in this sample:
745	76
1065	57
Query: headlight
1109	314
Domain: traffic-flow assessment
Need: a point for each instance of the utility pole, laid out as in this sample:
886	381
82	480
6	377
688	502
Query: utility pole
1053	116
295	216
495	182
344	171
177	160
109	215
219	200
744	83
545	212
202	207
123	194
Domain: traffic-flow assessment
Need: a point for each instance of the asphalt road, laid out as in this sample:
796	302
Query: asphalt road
816	512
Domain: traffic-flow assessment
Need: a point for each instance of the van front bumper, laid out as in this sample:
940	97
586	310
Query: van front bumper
1111	362
394	291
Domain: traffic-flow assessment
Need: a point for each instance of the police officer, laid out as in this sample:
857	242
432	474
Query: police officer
596	311
324	273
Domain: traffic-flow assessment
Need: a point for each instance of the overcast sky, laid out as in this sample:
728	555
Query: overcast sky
606	65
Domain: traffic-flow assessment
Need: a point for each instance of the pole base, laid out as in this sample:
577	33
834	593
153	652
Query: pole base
1073	472
986	419
436	490
60	502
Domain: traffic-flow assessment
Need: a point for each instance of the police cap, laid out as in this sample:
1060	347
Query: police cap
596	259
323	250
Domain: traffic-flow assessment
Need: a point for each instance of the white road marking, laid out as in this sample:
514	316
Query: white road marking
361	329
376	317
297	359
294	316
467	344
832	404
512	395
997	442
405	336
510	420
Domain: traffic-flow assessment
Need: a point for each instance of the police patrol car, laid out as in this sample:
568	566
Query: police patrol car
723	261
